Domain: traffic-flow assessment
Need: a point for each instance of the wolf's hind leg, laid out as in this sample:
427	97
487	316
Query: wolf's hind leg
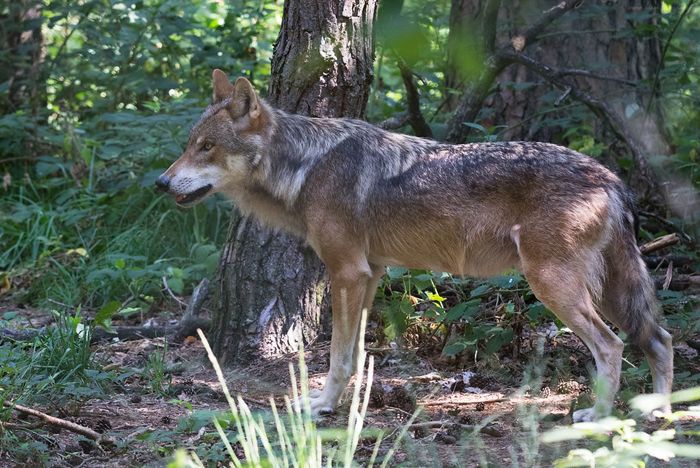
628	301
658	349
563	289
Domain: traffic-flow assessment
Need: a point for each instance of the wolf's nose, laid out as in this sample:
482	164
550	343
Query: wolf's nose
163	182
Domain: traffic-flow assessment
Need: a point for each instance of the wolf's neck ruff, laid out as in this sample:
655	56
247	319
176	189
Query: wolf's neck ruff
364	199
296	144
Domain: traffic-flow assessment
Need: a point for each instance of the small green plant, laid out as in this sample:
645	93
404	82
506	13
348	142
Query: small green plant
489	135
154	371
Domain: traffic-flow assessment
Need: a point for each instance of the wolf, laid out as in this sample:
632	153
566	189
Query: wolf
364	199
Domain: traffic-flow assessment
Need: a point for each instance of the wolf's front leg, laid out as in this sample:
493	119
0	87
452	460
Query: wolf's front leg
377	271
348	286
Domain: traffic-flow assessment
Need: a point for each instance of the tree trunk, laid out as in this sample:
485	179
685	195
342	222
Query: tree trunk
22	39
273	287
464	16
598	37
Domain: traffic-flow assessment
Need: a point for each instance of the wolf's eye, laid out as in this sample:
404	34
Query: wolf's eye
207	146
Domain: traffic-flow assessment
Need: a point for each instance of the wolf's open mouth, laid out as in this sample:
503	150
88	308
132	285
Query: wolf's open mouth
192	196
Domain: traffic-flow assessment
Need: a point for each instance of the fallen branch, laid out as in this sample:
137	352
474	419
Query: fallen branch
176	332
71	426
187	326
677	283
467	427
122	333
21	427
476	402
660	243
682	263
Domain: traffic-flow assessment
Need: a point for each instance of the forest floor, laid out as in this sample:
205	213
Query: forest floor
148	422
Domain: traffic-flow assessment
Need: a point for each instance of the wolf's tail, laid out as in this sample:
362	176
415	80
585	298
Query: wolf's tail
627	277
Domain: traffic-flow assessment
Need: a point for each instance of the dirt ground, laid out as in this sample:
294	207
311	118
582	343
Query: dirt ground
145	425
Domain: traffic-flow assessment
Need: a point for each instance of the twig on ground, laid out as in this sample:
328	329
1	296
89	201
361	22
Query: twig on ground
660	243
61	304
476	402
71	426
23	427
682	263
167	288
199	296
669	276
467	427
678	282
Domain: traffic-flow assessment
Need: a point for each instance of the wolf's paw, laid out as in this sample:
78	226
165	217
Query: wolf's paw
317	403
586	415
657	413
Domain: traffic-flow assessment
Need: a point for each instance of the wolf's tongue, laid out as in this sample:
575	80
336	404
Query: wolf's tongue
179	198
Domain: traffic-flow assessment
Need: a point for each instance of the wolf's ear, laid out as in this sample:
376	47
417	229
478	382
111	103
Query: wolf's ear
245	101
223	89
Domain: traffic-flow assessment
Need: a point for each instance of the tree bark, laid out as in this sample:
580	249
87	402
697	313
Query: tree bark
601	43
273	287
597	37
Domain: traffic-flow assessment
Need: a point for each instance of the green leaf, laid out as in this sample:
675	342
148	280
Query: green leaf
10	315
107	325
454	348
212	262
507	335
494	344
176	272
120	264
476	126
396	272
129	311
506	281
480	290
536	310
460	311
176	285
106	313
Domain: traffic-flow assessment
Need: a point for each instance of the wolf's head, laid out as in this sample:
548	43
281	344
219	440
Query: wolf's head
224	147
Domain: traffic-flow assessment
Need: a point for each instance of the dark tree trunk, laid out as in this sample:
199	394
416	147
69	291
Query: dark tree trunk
273	287
464	16
22	39
597	37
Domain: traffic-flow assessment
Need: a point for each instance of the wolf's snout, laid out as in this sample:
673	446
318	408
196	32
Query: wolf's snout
163	182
